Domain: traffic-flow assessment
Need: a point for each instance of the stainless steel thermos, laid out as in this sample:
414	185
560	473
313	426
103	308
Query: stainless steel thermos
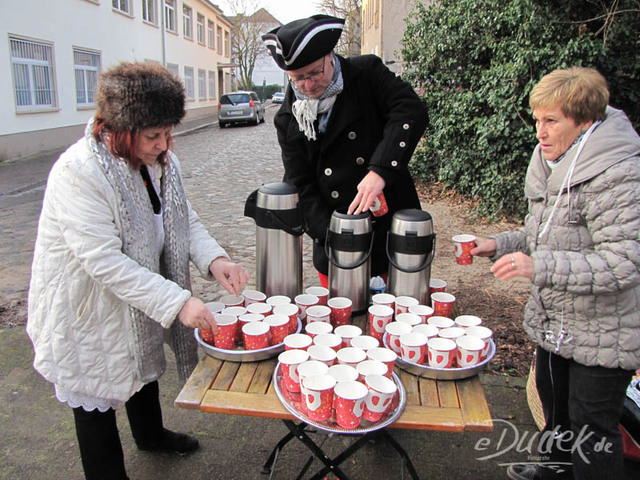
348	247
279	227
411	247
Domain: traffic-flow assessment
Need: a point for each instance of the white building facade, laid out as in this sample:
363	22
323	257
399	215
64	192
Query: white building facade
53	51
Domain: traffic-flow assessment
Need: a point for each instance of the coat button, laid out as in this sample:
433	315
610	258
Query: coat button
360	161
403	144
334	194
394	163
352	135
405	126
327	171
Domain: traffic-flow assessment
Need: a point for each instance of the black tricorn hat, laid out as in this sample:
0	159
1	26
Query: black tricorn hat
302	42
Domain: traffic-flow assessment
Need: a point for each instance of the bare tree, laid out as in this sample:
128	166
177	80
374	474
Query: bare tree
350	10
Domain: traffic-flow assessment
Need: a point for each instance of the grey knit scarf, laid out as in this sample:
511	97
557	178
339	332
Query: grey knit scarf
139	243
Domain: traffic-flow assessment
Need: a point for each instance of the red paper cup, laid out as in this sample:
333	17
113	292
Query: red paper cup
394	331
384	355
349	403
442	304
451	333
485	334
255	335
289	362
340	310
462	246
413	347
440	322
278	328
253	296
304	301
322	353
437	285
410	319
442	352
319	397
248	318
215	307
466	321
330	340
236	312
227	327
347	333
423	311
379	316
297	341
365	342
311	368
260	308
370	367
276	300
379	207
207	336
320	292
384	299
232	300
319	313
469	351
379	398
343	373
351	356
427	330
403	303
291	311
314	329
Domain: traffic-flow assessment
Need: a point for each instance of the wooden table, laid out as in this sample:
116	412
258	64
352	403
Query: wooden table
247	389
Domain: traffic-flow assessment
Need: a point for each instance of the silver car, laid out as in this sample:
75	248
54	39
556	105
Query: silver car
240	107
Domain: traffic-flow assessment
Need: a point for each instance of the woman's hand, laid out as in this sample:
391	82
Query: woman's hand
195	314
485	247
512	265
231	276
368	189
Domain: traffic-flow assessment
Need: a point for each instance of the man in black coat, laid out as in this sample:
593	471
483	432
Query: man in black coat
347	130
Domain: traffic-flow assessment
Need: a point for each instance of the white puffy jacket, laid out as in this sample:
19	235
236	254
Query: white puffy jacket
82	284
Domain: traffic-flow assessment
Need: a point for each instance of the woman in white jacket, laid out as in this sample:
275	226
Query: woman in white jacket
110	276
580	248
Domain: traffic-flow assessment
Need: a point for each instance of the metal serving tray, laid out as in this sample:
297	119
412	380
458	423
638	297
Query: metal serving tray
289	401
443	373
241	355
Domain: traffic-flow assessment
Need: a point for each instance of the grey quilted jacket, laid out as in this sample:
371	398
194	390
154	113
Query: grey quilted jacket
585	292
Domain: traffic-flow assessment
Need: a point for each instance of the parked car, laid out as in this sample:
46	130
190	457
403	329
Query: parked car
240	107
277	97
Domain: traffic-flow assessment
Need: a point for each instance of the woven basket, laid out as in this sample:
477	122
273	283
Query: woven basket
533	399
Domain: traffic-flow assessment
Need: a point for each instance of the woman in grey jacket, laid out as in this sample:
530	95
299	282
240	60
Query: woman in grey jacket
580	249
110	276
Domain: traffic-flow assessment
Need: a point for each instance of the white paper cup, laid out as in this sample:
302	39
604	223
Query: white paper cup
384	355
403	303
253	296
297	341
451	332
317	328
394	331
370	367
423	311
235	311
409	318
351	356
413	347
485	334
275	300
319	313
215	307
365	342
466	321
429	331
259	307
330	340
320	292
384	299
232	300
440	322
347	333
343	373
322	354
379	398
441	352
469	350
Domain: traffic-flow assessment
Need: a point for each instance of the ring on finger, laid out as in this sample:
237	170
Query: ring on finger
513	263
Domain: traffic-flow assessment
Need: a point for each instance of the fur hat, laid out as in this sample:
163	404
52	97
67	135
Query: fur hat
133	96
302	42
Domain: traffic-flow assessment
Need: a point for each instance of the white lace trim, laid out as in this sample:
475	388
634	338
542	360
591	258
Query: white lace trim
88	402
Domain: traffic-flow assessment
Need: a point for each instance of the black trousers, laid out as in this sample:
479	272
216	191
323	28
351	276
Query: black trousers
583	406
99	440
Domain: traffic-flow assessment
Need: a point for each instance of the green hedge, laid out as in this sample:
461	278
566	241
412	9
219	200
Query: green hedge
474	63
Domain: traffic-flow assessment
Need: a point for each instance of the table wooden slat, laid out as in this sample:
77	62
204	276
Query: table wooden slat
475	411
243	377
248	404
410	383
430	418
262	379
198	383
448	394
225	376
428	392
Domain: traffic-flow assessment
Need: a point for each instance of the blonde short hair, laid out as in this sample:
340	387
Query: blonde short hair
581	93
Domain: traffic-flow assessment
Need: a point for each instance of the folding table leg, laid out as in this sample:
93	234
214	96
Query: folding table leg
267	468
405	457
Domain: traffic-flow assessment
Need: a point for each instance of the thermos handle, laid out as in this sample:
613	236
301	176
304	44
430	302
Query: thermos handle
250	205
295	231
327	244
251	210
427	261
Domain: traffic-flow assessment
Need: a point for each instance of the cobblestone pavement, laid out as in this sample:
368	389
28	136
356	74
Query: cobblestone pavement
220	168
